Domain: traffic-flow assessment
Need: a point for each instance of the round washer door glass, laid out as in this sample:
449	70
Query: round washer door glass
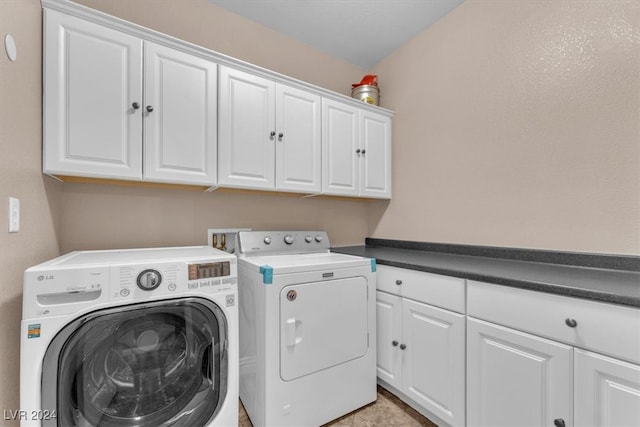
155	364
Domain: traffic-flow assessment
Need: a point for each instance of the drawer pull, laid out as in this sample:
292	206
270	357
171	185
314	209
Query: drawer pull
559	422
402	346
571	322
398	282
394	343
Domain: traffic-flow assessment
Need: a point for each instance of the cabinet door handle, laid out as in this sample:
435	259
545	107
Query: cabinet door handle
572	323
280	136
394	343
559	422
363	152
149	108
272	134
135	105
398	282
358	151
402	346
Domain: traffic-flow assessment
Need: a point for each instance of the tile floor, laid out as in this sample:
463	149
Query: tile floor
387	411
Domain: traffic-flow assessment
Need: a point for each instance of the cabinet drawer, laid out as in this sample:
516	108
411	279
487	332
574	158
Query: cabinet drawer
441	291
606	328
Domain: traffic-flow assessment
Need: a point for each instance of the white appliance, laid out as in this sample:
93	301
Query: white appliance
139	337
307	329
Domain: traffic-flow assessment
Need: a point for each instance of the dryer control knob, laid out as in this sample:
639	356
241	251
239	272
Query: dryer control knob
149	280
267	240
288	239
308	239
318	238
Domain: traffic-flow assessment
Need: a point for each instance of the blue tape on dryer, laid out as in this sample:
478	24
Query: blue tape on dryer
374	266
267	274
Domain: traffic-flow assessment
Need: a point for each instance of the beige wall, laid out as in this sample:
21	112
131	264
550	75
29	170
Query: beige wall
21	177
205	24
517	124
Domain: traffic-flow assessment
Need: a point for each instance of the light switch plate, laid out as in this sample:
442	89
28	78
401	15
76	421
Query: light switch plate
14	215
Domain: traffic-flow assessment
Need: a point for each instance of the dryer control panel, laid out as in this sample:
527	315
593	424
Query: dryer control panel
282	242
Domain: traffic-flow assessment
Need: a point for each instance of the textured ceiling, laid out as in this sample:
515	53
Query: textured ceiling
359	31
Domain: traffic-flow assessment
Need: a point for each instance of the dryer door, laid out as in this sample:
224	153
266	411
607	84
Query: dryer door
322	324
154	364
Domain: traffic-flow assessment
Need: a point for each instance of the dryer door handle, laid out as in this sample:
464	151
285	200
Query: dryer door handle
291	332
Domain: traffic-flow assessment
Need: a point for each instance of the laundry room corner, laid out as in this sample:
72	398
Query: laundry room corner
21	178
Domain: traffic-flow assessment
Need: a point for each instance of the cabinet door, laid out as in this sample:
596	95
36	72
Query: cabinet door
340	140
180	132
607	391
433	374
246	124
389	336
298	152
516	379
375	157
92	78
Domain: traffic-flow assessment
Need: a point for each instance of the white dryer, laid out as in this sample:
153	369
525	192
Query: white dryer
139	337
307	329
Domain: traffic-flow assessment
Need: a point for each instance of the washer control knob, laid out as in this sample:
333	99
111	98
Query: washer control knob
318	238
308	239
149	280
267	240
288	239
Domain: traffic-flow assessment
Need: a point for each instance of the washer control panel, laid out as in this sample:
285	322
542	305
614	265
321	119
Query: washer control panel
282	242
172	278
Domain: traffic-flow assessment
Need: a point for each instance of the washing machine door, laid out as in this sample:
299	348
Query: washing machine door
154	364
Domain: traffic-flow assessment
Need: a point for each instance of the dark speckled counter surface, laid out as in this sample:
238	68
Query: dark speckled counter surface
583	277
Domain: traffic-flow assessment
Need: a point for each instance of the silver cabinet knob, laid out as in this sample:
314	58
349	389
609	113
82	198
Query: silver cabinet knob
402	346
559	422
288	239
572	323
318	238
135	105
363	151
267	240
394	343
358	151
149	108
280	136
272	134
398	282
308	239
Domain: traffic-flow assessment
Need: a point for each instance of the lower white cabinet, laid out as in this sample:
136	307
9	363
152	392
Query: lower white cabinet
421	348
516	379
555	373
607	391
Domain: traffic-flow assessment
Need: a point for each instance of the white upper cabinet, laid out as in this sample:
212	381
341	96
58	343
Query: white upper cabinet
180	131
298	152
247	130
123	102
340	140
92	79
356	146
269	134
95	107
375	161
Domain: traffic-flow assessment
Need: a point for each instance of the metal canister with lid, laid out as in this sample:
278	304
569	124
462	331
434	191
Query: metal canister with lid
367	90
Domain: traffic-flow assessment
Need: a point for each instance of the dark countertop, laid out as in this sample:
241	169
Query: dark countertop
599	284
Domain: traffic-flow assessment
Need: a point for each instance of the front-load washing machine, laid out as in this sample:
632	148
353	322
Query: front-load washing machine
138	337
307	329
